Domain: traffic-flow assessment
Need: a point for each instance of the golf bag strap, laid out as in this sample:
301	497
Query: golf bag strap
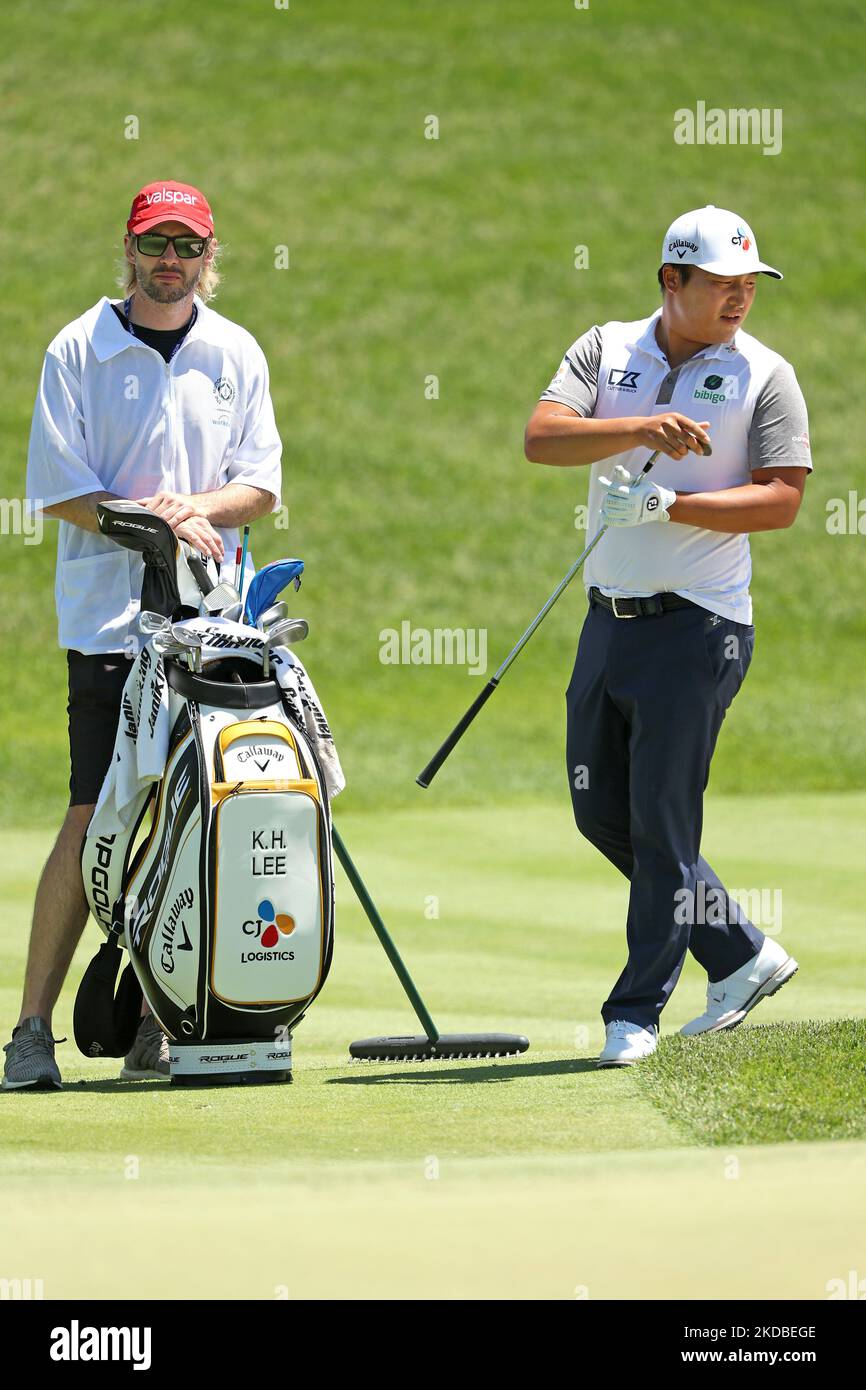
257	695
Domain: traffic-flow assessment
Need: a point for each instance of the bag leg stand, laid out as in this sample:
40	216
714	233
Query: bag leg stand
433	1045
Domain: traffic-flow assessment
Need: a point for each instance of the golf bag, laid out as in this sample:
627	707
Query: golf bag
220	882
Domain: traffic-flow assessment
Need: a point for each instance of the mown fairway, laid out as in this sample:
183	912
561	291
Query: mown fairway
523	1177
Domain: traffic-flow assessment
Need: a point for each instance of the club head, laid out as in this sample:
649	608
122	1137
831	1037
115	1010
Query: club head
223	596
185	637
289	630
273	614
165	644
152	622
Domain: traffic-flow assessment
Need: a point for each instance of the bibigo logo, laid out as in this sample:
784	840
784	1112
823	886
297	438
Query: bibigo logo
717	389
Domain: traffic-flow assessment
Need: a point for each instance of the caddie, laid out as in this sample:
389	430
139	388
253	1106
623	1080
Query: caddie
668	636
157	398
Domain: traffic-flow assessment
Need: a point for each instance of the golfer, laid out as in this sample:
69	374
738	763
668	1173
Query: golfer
668	636
158	399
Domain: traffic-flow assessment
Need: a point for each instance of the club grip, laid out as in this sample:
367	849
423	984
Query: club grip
425	777
200	574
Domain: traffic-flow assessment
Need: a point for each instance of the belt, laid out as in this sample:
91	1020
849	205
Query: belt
652	606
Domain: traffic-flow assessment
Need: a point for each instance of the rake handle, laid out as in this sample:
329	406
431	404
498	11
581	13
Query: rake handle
385	938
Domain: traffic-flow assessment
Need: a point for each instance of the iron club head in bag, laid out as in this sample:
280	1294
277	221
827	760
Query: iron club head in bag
192	641
282	634
151	623
221	597
272	615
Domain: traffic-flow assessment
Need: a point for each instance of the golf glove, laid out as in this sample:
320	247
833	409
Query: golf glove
628	503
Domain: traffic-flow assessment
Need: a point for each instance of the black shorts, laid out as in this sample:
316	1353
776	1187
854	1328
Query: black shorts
95	687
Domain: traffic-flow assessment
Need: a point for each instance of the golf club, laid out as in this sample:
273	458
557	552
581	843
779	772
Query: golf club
152	622
221	597
191	641
277	610
241	563
165	644
425	777
283	633
198	569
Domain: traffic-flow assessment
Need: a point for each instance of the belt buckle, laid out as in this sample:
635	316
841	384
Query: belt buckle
620	615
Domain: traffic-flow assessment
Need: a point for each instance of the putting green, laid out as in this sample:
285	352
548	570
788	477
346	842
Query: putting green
528	1177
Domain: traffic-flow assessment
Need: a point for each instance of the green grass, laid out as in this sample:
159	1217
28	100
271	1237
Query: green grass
536	1177
788	1081
412	257
523	1177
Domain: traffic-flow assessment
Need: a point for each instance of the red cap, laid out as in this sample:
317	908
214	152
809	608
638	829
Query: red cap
170	202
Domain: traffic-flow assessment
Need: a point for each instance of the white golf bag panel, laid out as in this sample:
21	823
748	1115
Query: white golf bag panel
162	900
279	954
227	906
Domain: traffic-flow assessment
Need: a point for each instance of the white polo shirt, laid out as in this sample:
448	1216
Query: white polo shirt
757	419
111	415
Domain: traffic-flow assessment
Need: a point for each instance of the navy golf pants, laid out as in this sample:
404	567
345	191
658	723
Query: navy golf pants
645	704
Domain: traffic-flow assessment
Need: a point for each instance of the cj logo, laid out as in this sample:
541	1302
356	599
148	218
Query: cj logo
269	925
741	239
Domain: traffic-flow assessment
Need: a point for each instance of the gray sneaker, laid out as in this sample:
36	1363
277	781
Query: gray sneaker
147	1059
30	1063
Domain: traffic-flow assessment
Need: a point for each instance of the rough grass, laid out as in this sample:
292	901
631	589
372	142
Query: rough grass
763	1085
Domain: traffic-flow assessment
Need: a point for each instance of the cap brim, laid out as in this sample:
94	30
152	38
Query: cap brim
144	224
736	268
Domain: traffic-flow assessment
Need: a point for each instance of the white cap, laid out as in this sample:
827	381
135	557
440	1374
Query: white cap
716	240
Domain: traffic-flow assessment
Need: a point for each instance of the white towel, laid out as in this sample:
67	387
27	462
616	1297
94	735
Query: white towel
141	743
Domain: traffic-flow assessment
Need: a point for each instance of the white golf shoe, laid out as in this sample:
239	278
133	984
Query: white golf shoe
729	1000
626	1043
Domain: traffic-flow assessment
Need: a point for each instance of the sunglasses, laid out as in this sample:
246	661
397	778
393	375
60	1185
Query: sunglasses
186	247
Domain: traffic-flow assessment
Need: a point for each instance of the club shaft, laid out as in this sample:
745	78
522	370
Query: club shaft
240	584
385	938
425	777
539	618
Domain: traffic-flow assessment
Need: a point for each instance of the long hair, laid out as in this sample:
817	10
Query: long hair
206	288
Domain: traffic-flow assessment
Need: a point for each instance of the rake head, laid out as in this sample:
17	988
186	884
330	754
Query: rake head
449	1047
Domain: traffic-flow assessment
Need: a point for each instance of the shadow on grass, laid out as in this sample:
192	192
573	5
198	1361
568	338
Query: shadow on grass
115	1086
493	1071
